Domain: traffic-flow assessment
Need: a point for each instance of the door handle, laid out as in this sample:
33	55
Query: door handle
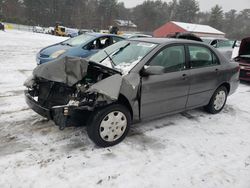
217	71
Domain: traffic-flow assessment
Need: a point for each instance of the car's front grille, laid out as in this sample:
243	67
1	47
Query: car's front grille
53	94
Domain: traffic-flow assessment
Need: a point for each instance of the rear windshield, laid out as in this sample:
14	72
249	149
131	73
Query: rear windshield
207	41
226	43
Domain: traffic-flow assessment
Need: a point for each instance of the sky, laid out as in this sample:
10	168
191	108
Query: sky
205	5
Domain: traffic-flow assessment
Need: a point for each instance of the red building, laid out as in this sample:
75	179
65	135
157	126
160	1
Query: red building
197	29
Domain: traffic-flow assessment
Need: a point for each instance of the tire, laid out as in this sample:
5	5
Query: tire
109	126
217	101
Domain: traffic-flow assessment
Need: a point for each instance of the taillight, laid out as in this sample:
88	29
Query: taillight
237	59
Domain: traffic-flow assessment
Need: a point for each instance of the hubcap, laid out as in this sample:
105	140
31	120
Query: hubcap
219	100
113	126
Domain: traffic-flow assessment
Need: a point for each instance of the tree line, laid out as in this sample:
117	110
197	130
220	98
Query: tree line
99	14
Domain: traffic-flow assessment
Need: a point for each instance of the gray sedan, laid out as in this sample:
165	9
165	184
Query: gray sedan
131	81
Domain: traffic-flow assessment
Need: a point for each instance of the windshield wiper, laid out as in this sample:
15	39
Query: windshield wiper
111	60
67	44
119	50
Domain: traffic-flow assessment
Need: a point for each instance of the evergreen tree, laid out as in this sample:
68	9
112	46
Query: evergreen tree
187	10
230	21
216	18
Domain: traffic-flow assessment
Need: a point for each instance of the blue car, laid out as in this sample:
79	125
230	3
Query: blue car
83	46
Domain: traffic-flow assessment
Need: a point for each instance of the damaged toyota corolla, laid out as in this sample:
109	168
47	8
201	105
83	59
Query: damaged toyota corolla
131	81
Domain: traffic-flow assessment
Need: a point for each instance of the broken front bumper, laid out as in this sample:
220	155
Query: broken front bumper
62	116
34	105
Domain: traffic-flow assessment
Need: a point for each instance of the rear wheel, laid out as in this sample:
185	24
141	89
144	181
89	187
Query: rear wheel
109	126
217	101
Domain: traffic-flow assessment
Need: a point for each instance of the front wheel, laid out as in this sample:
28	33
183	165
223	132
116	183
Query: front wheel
217	101
109	126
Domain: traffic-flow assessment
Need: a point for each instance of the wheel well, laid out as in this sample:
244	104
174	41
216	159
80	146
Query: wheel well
124	101
227	85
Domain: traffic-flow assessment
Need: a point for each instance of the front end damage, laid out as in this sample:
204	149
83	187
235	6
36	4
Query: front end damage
60	88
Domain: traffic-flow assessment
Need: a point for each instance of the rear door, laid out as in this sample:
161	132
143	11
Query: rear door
205	75
161	94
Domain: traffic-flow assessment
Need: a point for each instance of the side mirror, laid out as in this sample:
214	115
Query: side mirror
152	70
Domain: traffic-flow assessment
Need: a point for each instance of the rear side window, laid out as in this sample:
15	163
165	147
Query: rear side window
171	58
201	57
117	39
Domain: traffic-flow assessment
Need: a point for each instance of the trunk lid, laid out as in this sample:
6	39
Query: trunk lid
245	47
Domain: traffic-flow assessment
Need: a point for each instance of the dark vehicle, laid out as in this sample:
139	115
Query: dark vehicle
114	30
131	81
244	59
187	36
1	26
83	46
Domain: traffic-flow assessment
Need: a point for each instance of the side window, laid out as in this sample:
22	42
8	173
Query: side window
101	43
171	58
214	43
201	57
117	39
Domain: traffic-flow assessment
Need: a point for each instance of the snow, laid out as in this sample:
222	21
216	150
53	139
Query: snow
191	149
198	28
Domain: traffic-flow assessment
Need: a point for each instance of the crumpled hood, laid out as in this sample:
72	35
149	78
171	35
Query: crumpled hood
67	70
71	70
245	47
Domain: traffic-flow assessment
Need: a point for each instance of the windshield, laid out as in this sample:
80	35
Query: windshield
123	55
79	40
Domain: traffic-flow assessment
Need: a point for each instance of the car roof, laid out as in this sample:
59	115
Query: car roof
135	34
164	40
214	38
102	34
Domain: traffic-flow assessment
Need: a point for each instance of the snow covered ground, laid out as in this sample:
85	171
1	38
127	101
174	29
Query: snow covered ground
192	149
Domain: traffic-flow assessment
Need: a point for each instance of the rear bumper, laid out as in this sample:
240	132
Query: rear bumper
35	106
245	79
244	71
234	86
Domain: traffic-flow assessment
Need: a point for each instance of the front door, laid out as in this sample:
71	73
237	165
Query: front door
168	92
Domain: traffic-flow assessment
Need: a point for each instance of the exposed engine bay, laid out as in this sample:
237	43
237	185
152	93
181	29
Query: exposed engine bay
52	93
